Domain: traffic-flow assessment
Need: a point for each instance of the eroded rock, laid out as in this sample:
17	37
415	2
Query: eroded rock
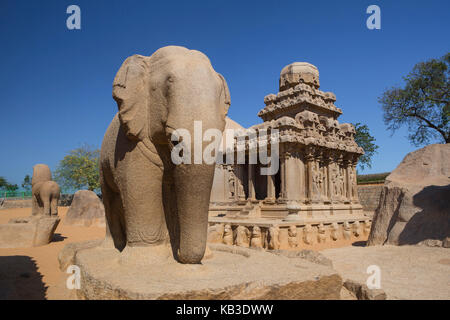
86	209
415	201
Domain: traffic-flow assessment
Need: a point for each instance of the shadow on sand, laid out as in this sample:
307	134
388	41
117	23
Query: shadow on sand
359	244
57	237
20	280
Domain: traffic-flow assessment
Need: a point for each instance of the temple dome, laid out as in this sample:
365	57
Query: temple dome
299	72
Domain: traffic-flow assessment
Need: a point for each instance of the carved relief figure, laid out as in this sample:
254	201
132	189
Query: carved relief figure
336	181
347	231
292	236
323	181
228	235
317	180
354	183
274	238
256	241
321	233
334	231
367	226
231	184
341	183
242	237
307	234
356	229
240	189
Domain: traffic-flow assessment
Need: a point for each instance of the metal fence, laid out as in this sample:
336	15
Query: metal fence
15	194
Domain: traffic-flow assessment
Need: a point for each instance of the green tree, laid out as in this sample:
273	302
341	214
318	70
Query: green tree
366	141
79	169
5	185
12	187
423	104
26	184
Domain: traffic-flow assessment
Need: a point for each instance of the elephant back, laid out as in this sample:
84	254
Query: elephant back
41	173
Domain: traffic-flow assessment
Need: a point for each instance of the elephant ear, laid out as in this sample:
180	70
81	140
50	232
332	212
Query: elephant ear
225	94
130	91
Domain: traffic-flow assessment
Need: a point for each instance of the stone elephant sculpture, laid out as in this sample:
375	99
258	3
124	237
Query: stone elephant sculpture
45	192
149	201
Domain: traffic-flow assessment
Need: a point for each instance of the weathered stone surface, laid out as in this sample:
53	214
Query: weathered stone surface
86	209
415	201
446	242
430	243
310	255
362	292
45	192
30	231
66	256
231	273
407	272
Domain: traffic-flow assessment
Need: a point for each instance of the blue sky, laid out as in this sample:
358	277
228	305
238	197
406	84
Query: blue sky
56	83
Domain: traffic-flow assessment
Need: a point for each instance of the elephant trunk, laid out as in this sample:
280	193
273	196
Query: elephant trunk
190	182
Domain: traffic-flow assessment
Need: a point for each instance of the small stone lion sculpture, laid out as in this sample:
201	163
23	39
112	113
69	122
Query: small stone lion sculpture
256	241
45	192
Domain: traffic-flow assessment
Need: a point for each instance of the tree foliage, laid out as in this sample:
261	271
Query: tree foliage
423	104
366	141
26	184
79	169
6	186
3	183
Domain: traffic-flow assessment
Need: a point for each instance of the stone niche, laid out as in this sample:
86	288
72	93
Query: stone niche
313	197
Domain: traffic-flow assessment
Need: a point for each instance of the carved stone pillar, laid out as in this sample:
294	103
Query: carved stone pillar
354	182
331	177
340	179
270	198
293	176
326	196
283	158
239	183
251	182
309	157
348	184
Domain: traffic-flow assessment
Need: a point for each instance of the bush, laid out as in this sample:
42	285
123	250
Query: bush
372	178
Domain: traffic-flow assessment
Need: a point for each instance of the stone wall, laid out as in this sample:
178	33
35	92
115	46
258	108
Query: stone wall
64	201
369	195
16	203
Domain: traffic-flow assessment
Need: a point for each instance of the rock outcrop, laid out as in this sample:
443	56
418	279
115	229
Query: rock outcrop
87	209
33	231
415	201
229	273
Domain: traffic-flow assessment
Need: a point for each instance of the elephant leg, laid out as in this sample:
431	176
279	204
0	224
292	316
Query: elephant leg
46	203
54	206
34	206
142	197
115	227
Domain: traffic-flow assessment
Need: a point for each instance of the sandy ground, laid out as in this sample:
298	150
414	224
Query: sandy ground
407	272
33	273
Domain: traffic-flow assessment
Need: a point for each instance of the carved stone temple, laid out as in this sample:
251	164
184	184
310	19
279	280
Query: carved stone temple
313	198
